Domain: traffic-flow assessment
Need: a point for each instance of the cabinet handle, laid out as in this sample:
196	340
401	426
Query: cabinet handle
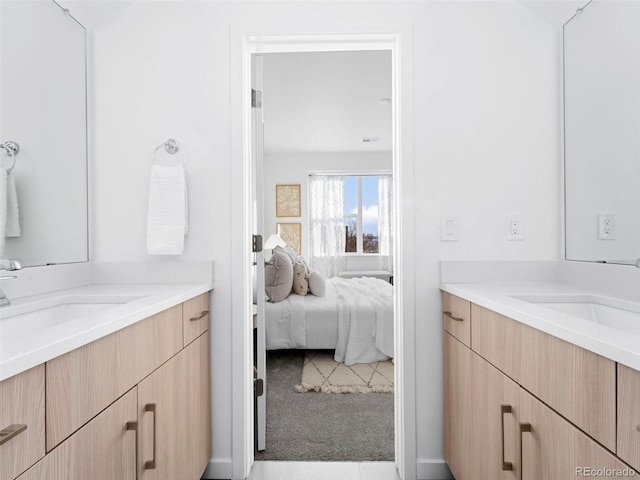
11	431
450	315
204	313
524	427
151	464
507	466
133	425
637	428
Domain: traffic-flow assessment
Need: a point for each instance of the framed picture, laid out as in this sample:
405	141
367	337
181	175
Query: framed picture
287	200
292	234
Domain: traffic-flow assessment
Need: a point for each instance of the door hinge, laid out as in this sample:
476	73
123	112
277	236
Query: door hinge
256	243
258	387
256	98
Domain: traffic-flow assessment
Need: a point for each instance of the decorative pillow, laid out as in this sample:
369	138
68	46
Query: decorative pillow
300	278
317	284
278	276
290	252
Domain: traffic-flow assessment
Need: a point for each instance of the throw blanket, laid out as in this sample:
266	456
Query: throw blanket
365	320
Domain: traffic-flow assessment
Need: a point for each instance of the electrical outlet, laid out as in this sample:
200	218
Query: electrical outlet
514	226
606	226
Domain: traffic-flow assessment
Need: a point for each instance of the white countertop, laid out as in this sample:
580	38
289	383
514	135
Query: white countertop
20	352
618	345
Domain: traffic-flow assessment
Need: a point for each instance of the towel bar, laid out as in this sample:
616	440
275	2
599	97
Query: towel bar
11	149
171	146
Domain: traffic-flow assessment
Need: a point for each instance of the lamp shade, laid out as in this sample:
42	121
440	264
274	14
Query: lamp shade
274	241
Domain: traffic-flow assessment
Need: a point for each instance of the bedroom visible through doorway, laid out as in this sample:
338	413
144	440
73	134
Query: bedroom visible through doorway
326	183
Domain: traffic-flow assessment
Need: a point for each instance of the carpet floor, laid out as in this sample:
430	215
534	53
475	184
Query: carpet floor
353	427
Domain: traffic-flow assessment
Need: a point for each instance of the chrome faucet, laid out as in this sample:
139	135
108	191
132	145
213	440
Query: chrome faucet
10	265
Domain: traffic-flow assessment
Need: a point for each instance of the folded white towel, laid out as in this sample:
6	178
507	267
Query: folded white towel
167	220
13	212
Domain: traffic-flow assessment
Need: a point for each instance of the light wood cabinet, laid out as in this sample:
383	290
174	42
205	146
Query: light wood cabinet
456	317
629	415
84	381
104	449
195	317
458	407
173	408
553	449
22	418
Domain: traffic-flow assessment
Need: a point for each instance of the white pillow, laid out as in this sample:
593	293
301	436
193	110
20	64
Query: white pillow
278	276
317	284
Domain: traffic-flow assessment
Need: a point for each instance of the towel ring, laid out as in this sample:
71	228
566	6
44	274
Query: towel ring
171	146
10	149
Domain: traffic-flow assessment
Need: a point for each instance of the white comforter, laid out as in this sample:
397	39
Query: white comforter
365	320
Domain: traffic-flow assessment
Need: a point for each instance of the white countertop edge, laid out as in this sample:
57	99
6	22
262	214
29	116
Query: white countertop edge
156	298
617	345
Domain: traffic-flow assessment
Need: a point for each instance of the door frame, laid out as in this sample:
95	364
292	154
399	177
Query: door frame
346	35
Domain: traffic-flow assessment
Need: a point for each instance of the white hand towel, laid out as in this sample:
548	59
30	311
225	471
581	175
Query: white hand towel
3	207
13	212
167	220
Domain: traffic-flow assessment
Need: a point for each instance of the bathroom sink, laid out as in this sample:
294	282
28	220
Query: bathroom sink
24	319
611	312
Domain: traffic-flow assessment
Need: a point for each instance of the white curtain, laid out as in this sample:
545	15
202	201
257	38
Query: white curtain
327	227
385	221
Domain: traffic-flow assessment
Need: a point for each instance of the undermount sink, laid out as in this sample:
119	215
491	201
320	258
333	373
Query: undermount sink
611	312
27	318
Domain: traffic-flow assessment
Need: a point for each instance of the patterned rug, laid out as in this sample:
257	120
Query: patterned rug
321	373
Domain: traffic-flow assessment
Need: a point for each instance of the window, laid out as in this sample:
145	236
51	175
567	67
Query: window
361	214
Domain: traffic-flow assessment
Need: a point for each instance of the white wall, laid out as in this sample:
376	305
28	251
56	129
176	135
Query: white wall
486	121
294	168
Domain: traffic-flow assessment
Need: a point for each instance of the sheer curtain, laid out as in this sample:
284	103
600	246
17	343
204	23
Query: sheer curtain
327	227
385	221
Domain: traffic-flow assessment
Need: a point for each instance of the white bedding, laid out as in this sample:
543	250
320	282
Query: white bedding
363	307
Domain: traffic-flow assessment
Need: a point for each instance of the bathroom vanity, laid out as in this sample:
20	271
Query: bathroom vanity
121	392
535	390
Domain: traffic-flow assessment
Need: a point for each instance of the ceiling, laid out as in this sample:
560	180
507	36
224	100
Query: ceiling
327	102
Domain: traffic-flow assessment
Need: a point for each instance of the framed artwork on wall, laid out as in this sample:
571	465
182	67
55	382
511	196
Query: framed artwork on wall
292	234
288	200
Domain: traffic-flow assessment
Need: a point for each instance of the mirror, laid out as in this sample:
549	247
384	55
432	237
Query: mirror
43	109
602	132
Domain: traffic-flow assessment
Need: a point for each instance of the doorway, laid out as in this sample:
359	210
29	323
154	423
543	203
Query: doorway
351	36
326	115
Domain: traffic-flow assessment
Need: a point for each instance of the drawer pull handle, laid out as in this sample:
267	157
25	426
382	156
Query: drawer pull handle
133	425
506	466
524	427
204	313
11	431
450	315
151	464
637	428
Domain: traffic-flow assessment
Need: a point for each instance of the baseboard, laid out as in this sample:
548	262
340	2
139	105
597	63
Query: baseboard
433	470
219	469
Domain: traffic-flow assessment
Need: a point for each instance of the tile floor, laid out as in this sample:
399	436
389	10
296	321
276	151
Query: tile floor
323	471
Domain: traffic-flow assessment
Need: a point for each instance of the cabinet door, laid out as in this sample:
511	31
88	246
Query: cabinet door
104	449
458	408
554	449
174	416
629	415
495	423
22	422
195	317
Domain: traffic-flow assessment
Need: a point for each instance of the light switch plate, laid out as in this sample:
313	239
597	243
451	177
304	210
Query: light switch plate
449	226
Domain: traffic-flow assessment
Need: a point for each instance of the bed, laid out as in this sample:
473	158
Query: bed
354	317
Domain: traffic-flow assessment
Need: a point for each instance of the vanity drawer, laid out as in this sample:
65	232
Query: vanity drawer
21	405
496	338
195	317
84	381
456	317
629	415
580	385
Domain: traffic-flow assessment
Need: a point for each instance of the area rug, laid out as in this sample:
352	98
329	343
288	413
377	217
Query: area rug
321	373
